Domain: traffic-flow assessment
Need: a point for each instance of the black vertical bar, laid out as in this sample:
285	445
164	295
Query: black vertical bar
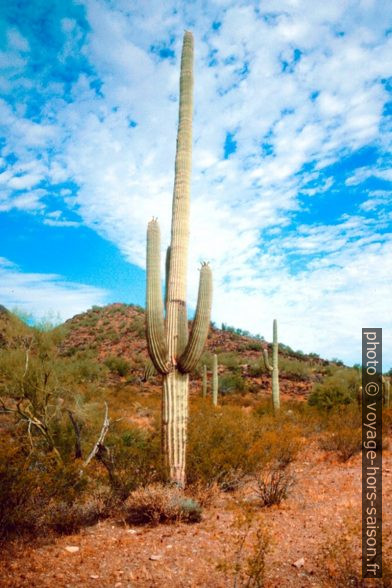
372	453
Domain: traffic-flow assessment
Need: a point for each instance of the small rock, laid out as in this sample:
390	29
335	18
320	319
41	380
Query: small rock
94	577
299	563
72	548
155	557
132	531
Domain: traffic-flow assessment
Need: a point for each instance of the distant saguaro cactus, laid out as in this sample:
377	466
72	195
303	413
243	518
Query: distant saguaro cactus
274	369
173	351
215	380
204	381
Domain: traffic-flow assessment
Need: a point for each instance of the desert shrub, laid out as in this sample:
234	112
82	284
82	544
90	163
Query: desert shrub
339	557
205	359
203	494
32	487
272	485
229	359
230	383
117	365
157	504
254	346
227	446
294	368
219	447
39	387
113	336
279	445
84	367
342	432
346	442
264	407
246	565
66	519
132	459
340	388
257	368
138	326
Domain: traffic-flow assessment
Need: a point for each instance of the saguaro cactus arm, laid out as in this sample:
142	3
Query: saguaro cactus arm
266	360
155	330
201	323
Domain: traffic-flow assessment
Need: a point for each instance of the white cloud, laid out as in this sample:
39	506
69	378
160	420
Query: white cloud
42	294
363	173
283	114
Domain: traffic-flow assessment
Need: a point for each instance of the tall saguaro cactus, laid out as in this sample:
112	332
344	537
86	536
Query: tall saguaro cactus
173	351
274	369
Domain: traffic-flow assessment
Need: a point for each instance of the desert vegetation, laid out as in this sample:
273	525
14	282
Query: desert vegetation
81	442
142	425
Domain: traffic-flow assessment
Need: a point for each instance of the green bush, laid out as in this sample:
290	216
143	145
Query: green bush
257	368
36	491
138	326
132	459
340	388
294	368
219	447
84	367
118	365
254	346
229	359
230	383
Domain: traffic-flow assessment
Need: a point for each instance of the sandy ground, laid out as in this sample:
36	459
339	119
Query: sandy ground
116	556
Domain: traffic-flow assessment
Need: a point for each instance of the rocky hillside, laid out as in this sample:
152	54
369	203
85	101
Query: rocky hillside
118	331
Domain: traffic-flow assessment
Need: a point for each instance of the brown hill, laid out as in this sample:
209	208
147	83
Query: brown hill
118	331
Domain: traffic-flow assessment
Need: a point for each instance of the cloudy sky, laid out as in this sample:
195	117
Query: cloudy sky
291	199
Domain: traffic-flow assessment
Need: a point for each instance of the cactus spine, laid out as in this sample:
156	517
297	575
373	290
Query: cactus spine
173	351
215	380
204	381
274	369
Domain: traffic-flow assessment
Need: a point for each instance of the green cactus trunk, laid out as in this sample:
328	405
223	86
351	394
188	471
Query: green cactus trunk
215	380
274	369
204	381
173	351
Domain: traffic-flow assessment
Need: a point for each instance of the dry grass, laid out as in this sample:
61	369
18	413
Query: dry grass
157	504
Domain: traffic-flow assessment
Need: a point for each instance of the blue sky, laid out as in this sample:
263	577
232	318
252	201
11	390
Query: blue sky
291	199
